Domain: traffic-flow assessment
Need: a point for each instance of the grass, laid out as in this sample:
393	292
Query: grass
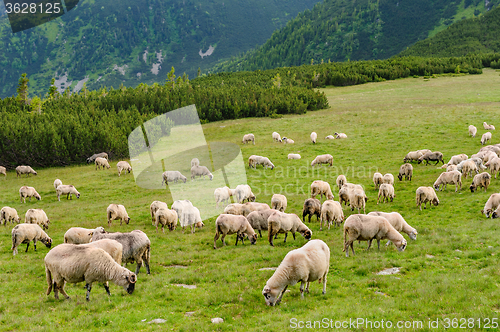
450	271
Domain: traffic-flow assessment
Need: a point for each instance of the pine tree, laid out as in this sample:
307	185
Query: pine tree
22	89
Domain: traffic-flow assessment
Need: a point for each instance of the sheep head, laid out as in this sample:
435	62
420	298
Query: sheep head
413	234
253	238
472	188
47	242
271	295
307	234
401	245
435	201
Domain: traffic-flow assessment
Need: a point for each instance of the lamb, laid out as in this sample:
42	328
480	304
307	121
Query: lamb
222	195
494	165
279	202
280	222
431	156
258	219
397	221
254	160
25	233
136	246
491	205
78	235
340	135
26	191
123	166
412	156
457	159
172	176
308	263
331	211
329	137
366	228
57	183
321	188
165	217
68	190
37	216
242	192
388	178
200	171
472	131
190	216
386	191
378	179
227	224
323	159
341	180
3	171
287	140
314	136
445	178
488	127
485	138
117	211
95	156
312	206
72	263
8	214
155	206
248	138
294	156
480	180
424	195
276	137
101	162
468	167
20	170
195	162
405	170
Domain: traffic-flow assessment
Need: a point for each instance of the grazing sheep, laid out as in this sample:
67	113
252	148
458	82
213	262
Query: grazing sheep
323	159
424	151
405	170
278	202
491	205
227	224
294	156
477	161
489	155
450	168
287	140
378	179
366	228
245	209
112	247
358	199
20	170
101	162
190	216
78	235
431	156
321	188
195	162
329	137
314	136
424	195
26	191
488	127
280	222
123	166
344	195
165	217
136	246
485	138
468	167
200	171
37	216
472	131
3	171
242	192
258	219
8	214
222	195
480	180
312	207
276	137
172	176
445	178
388	178
341	180
493	148
340	135
179	205
386	191
494	165
25	233
73	263
308	263
412	156
155	206
68	190
95	156
248	138
57	183
117	211
397	221
331	211
456	159
254	160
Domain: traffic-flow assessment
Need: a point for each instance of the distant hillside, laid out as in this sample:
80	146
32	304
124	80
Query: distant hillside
343	30
476	35
113	42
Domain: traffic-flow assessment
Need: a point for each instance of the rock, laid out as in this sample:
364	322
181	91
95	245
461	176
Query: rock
389	271
157	321
217	320
186	286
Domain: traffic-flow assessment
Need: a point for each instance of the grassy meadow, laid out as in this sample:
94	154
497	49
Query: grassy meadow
450	272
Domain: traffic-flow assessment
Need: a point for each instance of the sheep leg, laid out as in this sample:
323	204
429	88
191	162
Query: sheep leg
237	237
278	301
260	233
369	244
146	262
388	243
89	288
139	264
302	289
293	236
223	239
106	287
215	239
324	284
27	246
61	288
286	234
352	248
378	244
307	287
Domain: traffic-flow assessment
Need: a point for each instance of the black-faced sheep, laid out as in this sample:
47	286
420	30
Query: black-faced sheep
117	211
480	180
123	166
287	140
312	207
279	202
68	190
101	162
424	195
25	233
37	216
227	224
280	222
20	170
8	214
26	191
331	212
432	156
248	138
445	178
491	205
405	170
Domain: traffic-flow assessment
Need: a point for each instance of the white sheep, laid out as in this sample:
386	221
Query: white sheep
37	216
190	216
26	191
294	156
477	161
248	138
172	176
165	217
424	195
3	171
280	222
357	198
491	205
227	224
314	136
123	166
254	160
312	207
92	158
485	138
386	191
424	151
242	192
340	135
245	209
57	183
222	195
112	247
25	233
68	190
276	137
366	228
341	180
456	159
450	168
279	202
323	159
73	263
195	162
8	214
79	235
20	170
321	188
378	179
405	170
329	137
488	127
200	171
412	156
287	140
331	211
155	206
468	167
445	178
258	219
308	263
388	178
494	166
397	221
472	131
101	162
117	211
480	180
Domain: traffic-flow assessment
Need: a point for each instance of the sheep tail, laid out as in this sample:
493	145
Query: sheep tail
270	233
49	280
